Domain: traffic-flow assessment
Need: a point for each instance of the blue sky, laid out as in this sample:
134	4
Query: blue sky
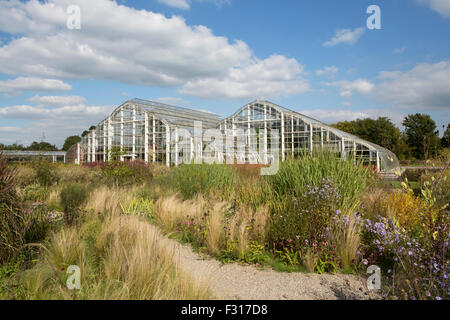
315	57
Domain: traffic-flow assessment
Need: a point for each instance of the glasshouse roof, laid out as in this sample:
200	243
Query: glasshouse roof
177	115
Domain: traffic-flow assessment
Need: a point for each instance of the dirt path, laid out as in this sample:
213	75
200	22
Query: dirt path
238	282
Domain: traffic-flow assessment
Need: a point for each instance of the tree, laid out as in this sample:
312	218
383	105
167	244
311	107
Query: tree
70	141
402	149
14	146
346	126
445	141
381	131
421	135
42	146
86	132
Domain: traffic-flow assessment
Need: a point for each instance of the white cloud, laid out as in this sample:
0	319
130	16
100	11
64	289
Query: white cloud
138	47
399	50
440	6
58	101
186	4
345	36
270	78
10	129
347	88
18	85
69	113
327	71
55	123
127	45
180	4
424	87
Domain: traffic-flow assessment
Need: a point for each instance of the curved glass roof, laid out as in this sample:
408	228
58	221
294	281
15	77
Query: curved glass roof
178	116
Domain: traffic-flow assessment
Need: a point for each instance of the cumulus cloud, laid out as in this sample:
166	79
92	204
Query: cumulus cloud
347	88
18	85
327	71
10	129
55	123
186	4
127	45
347	36
424	87
440	6
58	101
270	78
180	4
67	113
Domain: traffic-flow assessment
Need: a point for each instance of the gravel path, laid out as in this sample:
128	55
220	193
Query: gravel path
238	282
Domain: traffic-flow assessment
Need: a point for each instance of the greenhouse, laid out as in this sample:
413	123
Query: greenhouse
156	132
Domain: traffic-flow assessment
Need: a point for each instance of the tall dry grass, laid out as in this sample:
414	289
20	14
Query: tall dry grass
401	205
172	211
108	200
248	225
215	236
244	226
347	239
120	257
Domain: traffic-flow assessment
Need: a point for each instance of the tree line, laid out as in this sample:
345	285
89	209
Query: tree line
46	146
42	146
419	139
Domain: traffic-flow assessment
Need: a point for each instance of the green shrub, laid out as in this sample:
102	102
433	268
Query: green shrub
12	223
295	175
71	173
217	180
141	207
26	175
117	173
37	223
19	225
45	173
73	197
34	192
12	226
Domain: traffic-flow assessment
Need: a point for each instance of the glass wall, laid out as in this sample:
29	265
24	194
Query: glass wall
153	132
